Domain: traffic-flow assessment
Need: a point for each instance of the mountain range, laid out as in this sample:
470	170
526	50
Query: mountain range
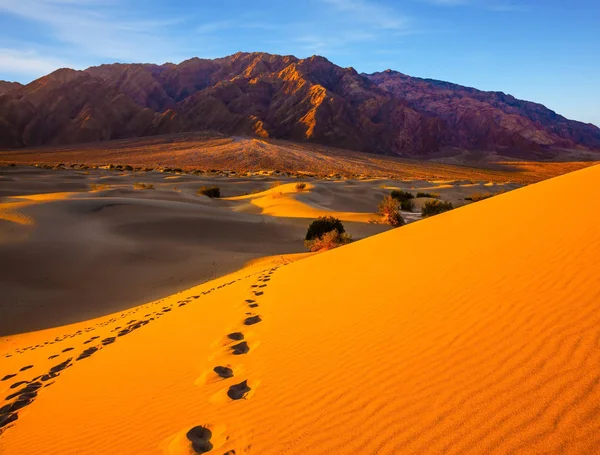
273	96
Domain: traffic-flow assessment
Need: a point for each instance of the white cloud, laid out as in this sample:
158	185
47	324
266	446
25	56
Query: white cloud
490	5
27	63
371	13
99	29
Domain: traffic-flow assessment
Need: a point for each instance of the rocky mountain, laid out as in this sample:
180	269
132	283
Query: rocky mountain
281	97
489	120
6	86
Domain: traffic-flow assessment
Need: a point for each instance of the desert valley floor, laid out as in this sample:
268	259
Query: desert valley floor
474	331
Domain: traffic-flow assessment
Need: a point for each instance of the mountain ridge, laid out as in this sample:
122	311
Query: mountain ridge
283	97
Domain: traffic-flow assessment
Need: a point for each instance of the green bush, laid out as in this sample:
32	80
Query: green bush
402	195
210	191
407	205
433	195
322	225
435	207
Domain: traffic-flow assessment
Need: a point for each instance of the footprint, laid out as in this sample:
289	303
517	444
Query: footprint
60	366
27	367
253	305
223	372
53	356
7	377
257	293
29	392
88	352
236	336
250	301
200	438
238	391
6	418
240	348
67	349
252	320
17	384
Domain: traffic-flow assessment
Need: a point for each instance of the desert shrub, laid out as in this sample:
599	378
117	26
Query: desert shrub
407	205
322	225
328	241
98	186
300	186
389	210
143	186
402	195
210	191
275	184
478	197
435	207
433	195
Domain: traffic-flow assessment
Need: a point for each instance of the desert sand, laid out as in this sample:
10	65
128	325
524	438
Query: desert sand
474	331
79	244
240	154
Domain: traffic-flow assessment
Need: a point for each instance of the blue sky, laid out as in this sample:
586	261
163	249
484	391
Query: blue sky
541	50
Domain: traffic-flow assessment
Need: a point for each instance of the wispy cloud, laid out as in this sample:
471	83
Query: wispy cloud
100	29
28	62
490	5
371	13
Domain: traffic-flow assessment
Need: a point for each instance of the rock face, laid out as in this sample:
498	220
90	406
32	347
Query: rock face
489	120
6	86
280	97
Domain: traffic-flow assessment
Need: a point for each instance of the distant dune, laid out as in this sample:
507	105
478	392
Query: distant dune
475	331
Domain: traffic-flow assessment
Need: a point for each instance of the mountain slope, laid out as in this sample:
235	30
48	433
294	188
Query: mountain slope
490	345
6	86
489	120
283	97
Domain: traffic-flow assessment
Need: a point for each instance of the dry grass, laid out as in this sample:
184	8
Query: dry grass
328	241
479	196
98	187
143	186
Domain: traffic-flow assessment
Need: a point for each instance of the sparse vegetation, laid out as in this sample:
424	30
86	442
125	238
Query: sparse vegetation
275	184
300	186
402	195
210	191
143	186
328	241
435	207
407	205
98	187
478	197
433	195
389	210
322	225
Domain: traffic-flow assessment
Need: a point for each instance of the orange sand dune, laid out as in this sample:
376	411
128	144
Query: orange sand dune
282	201
475	331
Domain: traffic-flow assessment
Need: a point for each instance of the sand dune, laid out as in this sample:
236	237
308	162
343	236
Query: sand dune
72	256
475	331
